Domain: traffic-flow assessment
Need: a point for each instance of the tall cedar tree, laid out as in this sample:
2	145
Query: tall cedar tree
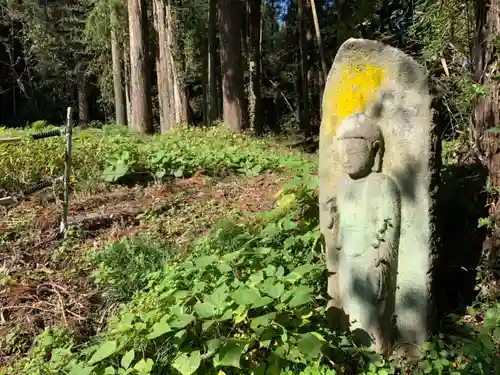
141	118
235	112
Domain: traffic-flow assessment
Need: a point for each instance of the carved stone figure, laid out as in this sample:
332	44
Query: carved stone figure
369	217
378	173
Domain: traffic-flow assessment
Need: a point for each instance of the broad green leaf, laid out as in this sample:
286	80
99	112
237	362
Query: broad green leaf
109	371
245	295
282	350
302	295
182	294
224	268
229	354
298	272
229	257
182	320
180	337
309	345
186	363
205	310
263	320
218	296
144	366
228	314
106	349
256	278
262	302
286	295
213	345
496	334
271	289
79	369
426	366
206	325
288	224
159	329
127	359
279	272
295	355
240	314
270	270
205	261
199	287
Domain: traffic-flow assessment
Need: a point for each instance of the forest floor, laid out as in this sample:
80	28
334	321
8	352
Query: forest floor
184	251
45	278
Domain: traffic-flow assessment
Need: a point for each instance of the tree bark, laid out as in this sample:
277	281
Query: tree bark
213	100
126	71
235	112
487	111
142	119
205	66
118	76
171	92
255	66
304	85
167	118
178	90
83	98
324	66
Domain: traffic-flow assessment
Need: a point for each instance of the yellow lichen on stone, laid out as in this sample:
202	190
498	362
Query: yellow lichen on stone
357	86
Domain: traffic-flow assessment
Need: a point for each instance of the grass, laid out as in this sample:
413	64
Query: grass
189	272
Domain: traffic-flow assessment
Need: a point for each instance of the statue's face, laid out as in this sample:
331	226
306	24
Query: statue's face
356	157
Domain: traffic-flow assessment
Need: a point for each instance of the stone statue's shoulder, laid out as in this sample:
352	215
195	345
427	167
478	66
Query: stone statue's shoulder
385	183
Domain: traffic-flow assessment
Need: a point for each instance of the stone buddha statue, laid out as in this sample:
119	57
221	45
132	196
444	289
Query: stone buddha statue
367	221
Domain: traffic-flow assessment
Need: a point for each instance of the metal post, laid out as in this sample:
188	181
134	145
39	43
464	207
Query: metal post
67	168
10	140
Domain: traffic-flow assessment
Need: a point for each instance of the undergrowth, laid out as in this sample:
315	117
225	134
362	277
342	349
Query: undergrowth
111	154
247	299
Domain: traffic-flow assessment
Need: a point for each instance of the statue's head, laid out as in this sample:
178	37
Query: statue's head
360	146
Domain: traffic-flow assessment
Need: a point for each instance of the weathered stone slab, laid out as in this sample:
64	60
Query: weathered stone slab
377	174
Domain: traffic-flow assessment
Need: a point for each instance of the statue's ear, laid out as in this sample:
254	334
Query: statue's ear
377	157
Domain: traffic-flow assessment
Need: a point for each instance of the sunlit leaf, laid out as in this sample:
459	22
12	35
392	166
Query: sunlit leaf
106	349
127	359
187	363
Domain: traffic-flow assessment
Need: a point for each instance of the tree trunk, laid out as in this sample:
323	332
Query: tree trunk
235	113
324	67
205	66
83	99
487	111
142	119
487	116
218	76
171	92
117	57
126	66
304	85
255	66
213	100
164	83
178	90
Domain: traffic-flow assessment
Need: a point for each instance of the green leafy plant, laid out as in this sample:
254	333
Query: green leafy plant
113	155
